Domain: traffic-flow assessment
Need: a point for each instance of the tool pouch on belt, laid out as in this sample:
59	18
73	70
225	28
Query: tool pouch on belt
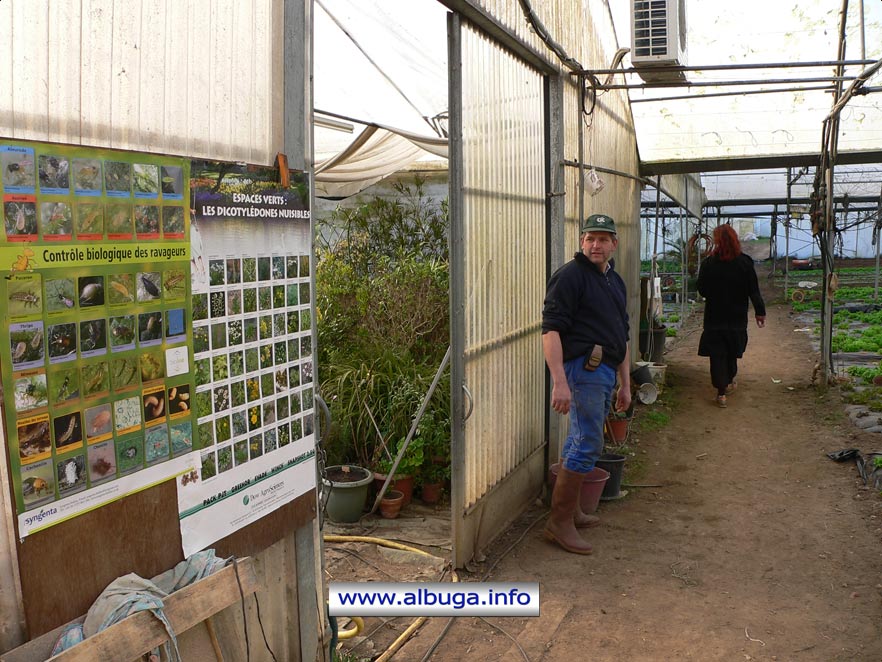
593	358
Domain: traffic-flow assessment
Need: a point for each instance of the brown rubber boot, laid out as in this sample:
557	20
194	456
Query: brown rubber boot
582	520
560	527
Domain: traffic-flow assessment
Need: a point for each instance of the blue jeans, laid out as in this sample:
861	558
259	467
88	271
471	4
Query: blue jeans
589	406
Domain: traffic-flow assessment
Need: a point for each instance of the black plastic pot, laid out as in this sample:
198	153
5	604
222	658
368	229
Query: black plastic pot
614	464
658	343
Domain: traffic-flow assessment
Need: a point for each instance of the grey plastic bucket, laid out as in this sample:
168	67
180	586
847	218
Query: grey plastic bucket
346	500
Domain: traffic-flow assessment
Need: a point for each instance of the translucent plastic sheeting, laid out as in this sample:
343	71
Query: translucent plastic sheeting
852	180
376	153
380	61
758	31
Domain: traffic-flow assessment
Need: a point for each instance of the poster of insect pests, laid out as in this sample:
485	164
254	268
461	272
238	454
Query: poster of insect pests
97	363
252	343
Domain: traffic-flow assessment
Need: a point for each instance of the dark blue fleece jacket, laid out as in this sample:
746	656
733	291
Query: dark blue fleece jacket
587	307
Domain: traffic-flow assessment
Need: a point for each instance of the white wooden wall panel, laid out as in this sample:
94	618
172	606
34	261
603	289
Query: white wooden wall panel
152	102
198	78
177	80
263	52
63	80
195	77
125	76
221	42
243	81
6	118
30	96
96	66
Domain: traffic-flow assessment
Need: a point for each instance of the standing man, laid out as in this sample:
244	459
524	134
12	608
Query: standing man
585	341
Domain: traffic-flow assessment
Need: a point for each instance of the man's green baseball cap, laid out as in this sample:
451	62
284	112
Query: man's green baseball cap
599	223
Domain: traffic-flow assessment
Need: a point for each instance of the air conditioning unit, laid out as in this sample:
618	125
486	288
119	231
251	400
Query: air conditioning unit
658	38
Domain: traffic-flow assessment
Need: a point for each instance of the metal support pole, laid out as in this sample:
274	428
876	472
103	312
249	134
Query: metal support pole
653	267
787	230
773	240
876	239
831	149
684	261
863	34
581	152
697	258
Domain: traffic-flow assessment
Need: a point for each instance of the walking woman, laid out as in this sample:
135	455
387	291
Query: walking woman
727	280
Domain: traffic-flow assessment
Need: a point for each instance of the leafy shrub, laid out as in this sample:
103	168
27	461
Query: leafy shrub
382	305
864	373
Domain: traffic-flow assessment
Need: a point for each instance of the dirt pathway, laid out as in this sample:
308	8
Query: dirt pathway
755	547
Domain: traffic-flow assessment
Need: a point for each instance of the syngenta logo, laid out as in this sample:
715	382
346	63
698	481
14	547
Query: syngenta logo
40	516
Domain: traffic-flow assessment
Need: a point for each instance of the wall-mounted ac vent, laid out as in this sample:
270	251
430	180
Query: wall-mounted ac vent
658	38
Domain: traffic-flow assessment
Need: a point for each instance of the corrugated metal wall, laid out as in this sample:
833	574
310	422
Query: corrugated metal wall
199	78
497	280
504	249
504	256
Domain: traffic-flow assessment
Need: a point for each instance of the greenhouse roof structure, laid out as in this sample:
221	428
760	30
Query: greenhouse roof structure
758	82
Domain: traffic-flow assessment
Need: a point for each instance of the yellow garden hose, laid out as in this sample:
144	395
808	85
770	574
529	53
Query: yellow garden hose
359	622
378	541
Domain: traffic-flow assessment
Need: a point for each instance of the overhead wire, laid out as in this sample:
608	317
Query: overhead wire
379	69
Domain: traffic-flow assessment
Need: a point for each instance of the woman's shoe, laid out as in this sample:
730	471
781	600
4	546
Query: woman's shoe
730	389
721	401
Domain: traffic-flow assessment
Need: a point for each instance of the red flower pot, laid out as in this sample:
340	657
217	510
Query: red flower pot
403	484
391	504
431	492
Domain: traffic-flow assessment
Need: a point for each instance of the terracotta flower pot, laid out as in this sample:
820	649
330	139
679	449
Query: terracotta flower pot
391	503
402	483
618	427
431	492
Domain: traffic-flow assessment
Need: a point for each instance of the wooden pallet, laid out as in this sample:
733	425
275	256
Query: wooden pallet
142	632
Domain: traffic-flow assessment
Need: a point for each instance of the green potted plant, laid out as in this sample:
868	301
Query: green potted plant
407	470
347	487
434	477
434	433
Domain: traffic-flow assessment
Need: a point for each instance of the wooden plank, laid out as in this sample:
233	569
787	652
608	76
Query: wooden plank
274	578
142	632
12	620
140	533
296	101
39	649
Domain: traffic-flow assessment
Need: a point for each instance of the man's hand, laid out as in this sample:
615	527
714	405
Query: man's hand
760	321
560	398
623	399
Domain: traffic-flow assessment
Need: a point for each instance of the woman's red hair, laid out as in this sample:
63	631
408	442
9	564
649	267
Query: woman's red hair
726	244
